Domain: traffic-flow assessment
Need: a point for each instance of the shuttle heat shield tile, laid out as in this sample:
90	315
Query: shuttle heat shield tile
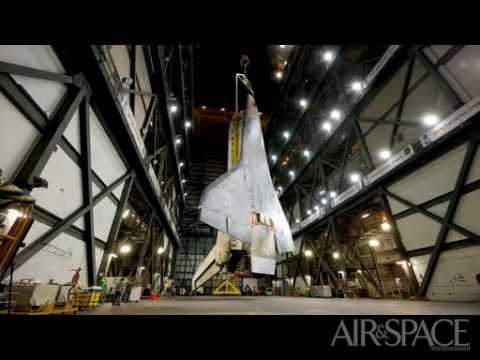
228	202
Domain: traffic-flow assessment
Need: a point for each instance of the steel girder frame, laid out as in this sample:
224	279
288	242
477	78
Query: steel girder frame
87	60
460	188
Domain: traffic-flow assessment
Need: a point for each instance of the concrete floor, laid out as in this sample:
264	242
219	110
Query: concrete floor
272	305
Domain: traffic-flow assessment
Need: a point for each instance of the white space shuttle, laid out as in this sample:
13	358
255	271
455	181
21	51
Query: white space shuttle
243	205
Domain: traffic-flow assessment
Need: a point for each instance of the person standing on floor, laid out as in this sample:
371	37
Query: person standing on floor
119	290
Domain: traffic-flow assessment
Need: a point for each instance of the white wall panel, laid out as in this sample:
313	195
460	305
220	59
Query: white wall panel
37	230
379	139
47	94
419	266
418	231
17	135
431	180
396	206
64	193
454	278
121	59
474	173
72	132
40	57
467	214
465	68
46	265
440	209
103	214
105	160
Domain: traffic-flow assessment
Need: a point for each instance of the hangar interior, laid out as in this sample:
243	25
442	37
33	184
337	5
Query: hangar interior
106	150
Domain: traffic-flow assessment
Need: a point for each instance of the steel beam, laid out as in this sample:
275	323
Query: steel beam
34	73
452	207
62	226
42	150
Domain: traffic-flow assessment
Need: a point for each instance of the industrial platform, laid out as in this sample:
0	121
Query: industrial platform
272	305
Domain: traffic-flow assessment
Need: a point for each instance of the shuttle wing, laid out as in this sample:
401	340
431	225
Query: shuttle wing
243	199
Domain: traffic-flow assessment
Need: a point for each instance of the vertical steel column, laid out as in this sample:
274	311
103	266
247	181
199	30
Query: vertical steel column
86	157
133	74
117	220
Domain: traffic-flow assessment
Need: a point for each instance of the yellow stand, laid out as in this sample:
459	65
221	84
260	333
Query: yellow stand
228	287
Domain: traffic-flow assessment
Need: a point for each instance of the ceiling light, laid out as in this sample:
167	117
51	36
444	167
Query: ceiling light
125	249
185	194
280	189
291	173
317	208
297	221
336	255
384	154
373	243
113	255
285	62
386	226
335	114
364	216
286	135
188	124
282	46
303	103
309	212
181	164
324	201
125	213
359	271
160	250
173	109
204	107
357	86
184	181
278	75
354	178
333	194
306	153
321	192
430	119
308	253
326	126
222	109
328	56
274	157
178	141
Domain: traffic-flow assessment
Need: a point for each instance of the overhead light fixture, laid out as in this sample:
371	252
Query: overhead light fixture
286	135
282	46
285	62
185	194
309	212
333	194
357	86
178	141
308	253
386	226
324	201
384	154
222	109
184	181
336	255
173	109
142	268
354	178
430	120
278	75
125	213
328	56
181	164
160	250
297	221
306	153
188	124
273	157
203	107
317	208
291	173
303	103
113	255
335	114
374	243
359	271
125	249
364	216
327	126
280	188
321	192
